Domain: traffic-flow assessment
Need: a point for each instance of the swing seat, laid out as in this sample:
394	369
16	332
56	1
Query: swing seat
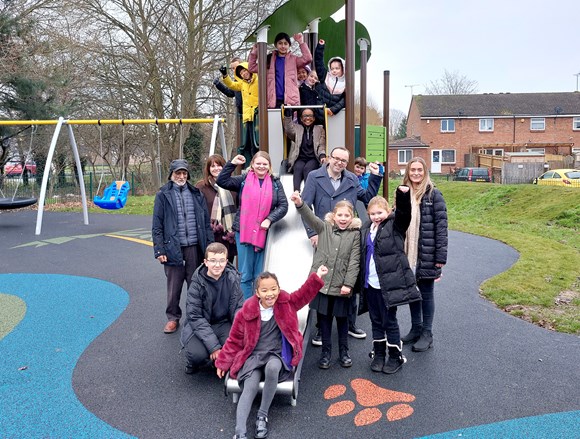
16	203
114	197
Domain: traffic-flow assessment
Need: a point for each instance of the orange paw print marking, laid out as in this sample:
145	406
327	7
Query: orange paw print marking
369	395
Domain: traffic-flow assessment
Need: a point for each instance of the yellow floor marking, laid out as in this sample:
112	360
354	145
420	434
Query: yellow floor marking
137	240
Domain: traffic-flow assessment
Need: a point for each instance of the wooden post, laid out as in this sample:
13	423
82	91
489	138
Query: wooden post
349	101
386	105
363	44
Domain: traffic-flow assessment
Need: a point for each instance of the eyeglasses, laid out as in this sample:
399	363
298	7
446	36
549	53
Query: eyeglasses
342	161
308	116
217	261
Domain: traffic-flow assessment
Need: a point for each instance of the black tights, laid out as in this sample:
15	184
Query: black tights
325	323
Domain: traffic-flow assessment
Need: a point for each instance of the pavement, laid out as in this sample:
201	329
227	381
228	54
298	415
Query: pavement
84	354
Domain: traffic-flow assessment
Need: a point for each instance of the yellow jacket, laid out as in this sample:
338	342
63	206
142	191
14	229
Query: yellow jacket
249	90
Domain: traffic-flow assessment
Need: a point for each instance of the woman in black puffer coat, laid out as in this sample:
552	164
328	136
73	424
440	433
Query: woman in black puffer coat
426	248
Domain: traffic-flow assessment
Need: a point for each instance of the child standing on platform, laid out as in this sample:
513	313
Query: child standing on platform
282	69
339	249
265	341
387	280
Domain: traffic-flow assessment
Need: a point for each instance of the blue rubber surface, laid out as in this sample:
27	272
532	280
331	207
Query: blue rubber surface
64	315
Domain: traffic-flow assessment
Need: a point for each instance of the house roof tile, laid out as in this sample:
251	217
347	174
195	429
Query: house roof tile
407	142
498	104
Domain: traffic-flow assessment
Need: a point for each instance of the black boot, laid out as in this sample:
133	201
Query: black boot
396	358
424	343
261	427
345	360
324	362
413	334
378	355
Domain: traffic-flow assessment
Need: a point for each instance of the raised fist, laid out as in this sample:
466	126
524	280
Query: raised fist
223	71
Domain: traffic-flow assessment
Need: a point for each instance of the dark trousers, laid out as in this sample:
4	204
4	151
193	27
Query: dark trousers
196	352
353	310
176	275
423	311
325	322
383	319
301	169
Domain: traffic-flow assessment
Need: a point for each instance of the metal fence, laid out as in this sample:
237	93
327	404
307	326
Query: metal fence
62	188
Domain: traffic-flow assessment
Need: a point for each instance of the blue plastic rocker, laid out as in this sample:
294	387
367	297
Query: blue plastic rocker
114	197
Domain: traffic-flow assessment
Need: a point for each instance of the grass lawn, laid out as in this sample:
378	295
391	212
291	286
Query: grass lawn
541	222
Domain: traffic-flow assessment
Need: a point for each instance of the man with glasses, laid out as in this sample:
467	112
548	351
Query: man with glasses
181	231
327	186
213	298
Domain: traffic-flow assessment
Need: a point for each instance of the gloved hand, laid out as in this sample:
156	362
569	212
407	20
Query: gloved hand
223	71
287	112
216	81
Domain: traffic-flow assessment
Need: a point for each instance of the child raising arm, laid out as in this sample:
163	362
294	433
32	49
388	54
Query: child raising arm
265	341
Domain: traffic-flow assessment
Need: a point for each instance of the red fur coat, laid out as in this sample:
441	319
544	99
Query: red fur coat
245	330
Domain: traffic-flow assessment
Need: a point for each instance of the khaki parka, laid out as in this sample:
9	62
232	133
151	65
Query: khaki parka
338	249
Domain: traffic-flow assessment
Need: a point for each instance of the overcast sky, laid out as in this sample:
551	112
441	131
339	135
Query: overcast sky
504	45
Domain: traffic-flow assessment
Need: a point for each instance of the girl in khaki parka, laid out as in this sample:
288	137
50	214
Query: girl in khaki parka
339	250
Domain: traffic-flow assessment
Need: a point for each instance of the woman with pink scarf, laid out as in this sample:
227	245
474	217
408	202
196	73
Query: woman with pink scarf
262	201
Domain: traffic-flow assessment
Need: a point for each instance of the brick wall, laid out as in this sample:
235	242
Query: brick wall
506	130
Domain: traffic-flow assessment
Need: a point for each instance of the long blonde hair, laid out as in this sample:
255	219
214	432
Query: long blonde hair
426	186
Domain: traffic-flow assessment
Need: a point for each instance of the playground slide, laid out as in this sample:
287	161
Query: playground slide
288	251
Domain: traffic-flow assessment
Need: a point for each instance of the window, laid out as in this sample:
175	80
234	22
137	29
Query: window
537	124
486	125
576	123
405	155
448	156
448	125
537	150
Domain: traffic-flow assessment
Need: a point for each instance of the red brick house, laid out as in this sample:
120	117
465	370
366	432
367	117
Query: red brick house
448	130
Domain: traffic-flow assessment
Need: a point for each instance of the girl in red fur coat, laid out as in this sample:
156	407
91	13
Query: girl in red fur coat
265	341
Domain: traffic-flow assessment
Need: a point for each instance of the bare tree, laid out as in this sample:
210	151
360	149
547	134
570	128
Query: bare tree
374	114
141	59
396	118
452	83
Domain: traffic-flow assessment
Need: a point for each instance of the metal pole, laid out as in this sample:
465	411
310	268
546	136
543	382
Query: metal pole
73	144
363	44
44	184
349	101
386	109
262	39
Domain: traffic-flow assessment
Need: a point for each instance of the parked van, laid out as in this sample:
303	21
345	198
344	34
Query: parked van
473	174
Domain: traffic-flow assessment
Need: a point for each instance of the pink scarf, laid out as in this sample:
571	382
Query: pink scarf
255	206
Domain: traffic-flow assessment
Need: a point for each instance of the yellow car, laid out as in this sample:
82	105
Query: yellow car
559	177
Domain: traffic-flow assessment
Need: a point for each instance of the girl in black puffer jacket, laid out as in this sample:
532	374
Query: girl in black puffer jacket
426	248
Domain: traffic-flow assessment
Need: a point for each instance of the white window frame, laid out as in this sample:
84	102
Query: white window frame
576	124
446	122
408	155
536	121
498	152
443	153
537	150
485	125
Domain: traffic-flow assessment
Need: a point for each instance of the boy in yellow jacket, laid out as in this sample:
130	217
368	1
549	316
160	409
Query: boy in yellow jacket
247	84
